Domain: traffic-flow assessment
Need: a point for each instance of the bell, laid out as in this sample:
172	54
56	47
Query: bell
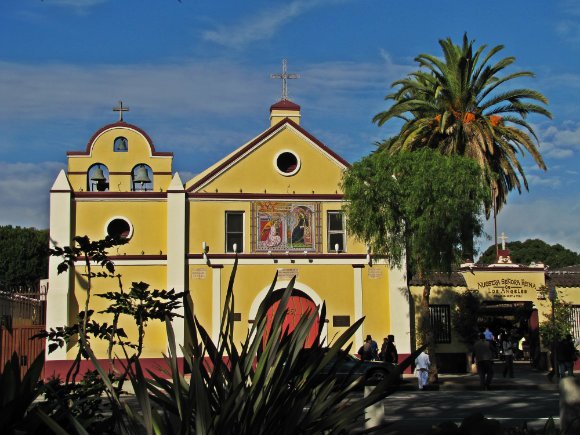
98	175
141	175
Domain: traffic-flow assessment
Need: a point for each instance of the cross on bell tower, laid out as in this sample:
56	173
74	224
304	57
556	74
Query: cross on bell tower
284	77
120	109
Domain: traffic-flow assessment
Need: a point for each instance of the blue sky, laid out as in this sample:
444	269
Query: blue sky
195	75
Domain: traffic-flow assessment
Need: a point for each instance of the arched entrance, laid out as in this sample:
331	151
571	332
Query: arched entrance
299	304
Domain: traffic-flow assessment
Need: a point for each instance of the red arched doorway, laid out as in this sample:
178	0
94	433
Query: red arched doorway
299	304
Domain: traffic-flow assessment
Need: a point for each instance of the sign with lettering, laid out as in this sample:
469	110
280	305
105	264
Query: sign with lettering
506	284
375	273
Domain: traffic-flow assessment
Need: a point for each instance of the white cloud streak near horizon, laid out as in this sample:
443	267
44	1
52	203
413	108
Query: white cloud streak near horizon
262	25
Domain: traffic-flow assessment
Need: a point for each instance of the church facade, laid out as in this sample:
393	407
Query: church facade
275	203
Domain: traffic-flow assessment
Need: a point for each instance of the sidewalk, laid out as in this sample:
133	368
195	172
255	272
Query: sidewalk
525	378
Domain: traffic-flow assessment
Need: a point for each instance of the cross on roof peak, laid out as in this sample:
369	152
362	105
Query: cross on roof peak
503	238
120	109
284	76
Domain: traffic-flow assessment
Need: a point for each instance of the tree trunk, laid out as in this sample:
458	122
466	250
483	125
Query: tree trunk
428	334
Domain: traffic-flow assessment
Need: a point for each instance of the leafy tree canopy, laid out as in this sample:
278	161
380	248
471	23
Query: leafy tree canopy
466	103
420	205
534	250
23	256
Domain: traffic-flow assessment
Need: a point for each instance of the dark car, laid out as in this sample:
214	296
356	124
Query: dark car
345	367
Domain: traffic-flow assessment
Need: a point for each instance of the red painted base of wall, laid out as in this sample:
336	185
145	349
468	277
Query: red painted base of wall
402	357
158	366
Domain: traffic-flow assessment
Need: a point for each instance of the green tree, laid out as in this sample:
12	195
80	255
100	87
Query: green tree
23	257
462	105
416	206
534	250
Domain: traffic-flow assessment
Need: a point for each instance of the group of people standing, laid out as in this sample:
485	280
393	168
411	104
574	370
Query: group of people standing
369	351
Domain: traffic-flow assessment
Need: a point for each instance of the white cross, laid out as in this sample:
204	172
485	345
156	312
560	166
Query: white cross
284	77
120	109
503	238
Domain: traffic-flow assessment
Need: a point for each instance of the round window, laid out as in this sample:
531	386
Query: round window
120	228
287	163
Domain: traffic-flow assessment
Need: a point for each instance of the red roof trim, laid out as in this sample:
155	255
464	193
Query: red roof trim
261	137
281	256
120	195
138	257
273	196
285	105
117	125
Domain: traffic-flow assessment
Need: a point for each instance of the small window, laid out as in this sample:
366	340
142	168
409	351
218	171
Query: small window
336	235
98	178
440	316
121	145
120	228
287	163
142	178
235	231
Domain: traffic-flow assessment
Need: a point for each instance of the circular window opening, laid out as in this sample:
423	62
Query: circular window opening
287	163
119	228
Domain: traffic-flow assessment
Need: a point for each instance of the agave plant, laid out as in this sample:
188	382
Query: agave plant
264	385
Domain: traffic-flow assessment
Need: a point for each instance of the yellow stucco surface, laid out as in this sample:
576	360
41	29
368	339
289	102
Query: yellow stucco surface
313	163
376	302
148	218
155	334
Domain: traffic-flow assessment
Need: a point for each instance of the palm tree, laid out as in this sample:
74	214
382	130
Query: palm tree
460	105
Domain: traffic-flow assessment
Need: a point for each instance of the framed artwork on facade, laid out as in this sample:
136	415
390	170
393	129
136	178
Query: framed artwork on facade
285	226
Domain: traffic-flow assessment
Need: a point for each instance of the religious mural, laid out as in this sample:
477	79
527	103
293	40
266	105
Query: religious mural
285	226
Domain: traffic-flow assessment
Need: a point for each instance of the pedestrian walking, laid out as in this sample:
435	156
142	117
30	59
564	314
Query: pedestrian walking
390	354
422	364
508	356
483	355
374	348
566	355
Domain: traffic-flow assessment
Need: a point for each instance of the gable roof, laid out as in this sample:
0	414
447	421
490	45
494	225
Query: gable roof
119	124
213	171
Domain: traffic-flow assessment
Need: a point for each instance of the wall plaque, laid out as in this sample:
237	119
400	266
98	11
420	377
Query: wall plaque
200	273
340	321
375	273
287	274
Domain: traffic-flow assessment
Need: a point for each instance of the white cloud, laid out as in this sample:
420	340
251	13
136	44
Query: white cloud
560	141
262	25
24	192
62	90
78	6
552	220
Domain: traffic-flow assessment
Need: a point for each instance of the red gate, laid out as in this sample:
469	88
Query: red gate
299	304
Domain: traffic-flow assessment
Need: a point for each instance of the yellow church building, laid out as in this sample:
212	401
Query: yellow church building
275	202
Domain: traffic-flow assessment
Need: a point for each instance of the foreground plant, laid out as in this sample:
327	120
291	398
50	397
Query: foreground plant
265	385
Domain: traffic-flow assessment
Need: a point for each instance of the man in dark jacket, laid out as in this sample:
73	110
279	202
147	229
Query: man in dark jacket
389	350
483	355
566	354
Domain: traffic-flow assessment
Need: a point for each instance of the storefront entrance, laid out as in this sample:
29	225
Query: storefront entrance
518	320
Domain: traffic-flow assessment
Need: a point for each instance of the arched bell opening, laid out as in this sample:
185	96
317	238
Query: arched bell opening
121	145
142	178
98	178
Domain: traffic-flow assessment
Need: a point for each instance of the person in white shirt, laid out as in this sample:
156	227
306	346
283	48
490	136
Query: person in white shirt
422	363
